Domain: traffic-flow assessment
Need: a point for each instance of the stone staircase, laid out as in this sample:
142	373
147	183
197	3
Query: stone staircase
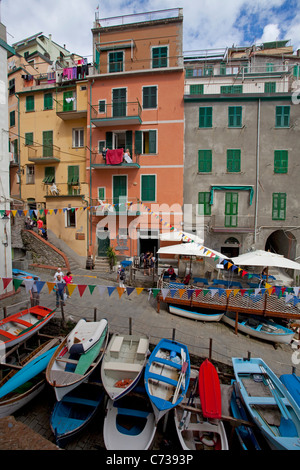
102	264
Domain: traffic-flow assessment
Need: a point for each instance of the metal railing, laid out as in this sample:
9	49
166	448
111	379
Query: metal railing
121	205
97	159
118	109
37	151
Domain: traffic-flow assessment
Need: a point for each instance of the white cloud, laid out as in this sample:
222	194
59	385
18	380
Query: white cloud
271	33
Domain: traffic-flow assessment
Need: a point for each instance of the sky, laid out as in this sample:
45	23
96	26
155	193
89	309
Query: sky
207	24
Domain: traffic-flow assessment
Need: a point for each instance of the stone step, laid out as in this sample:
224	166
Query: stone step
102	264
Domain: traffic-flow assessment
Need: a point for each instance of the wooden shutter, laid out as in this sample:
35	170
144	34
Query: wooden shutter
152	141
48	144
108	138
138	142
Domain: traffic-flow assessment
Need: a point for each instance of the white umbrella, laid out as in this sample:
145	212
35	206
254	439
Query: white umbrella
190	249
179	237
265	259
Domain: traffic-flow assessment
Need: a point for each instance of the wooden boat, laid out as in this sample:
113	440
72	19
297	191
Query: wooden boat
195	315
167	375
210	391
20	326
129	422
19	274
260	328
292	383
245	434
268	402
66	371
84	336
21	386
74	411
194	432
123	363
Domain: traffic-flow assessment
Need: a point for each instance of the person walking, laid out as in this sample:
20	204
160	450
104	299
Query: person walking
59	290
68	278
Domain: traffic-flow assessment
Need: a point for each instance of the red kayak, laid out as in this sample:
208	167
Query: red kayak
210	391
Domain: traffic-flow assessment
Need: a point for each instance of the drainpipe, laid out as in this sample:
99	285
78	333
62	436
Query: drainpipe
257	170
90	218
19	147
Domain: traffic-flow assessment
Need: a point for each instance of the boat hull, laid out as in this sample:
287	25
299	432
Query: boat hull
292	383
210	391
10	406
195	315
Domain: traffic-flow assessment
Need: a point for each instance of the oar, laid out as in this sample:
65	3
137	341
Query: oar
190	402
287	426
182	374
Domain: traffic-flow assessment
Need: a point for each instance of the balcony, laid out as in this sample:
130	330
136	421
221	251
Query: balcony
98	162
122	205
232	224
67	111
63	190
43	154
117	114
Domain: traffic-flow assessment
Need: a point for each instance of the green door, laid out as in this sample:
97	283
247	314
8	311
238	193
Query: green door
48	144
103	242
231	209
119	102
68	101
120	192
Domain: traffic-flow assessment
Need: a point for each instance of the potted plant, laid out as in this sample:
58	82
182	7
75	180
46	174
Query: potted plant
112	257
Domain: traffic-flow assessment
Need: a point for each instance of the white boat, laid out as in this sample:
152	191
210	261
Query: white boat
129	422
195	315
123	363
66	371
194	432
260	328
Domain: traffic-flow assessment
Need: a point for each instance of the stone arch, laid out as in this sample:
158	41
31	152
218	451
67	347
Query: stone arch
282	242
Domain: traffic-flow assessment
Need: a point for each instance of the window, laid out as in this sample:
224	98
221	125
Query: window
204	207
101	145
280	161
115	61
196	89
279	206
149	97
49	175
231	209
73	179
101	106
12	118
101	194
270	87
232	89
235	116
159	57
269	67
48	101
233	160
70	217
30	174
148	188
29	138
282	116
11	86
119	102
15	151
78	138
29	103
205	117
48	144
204	161
145	142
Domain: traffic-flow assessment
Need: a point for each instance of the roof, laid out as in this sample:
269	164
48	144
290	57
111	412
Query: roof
9	49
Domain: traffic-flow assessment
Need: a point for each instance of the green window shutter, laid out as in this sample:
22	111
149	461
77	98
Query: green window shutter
196	89
108	138
148	188
159	57
204	161
138	142
269	67
115	62
235	116
119	102
233	160
12	118
204	207
68	105
101	193
29	138
49	175
48	101
279	206
270	87
149	97
152	141
232	89
282	116
48	144
205	116
29	103
128	141
222	69
280	161
73	175
231	209
189	73
296	71
101	106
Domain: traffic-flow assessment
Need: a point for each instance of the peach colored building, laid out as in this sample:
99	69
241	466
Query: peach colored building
136	103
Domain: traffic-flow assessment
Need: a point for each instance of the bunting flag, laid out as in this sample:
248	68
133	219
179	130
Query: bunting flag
129	290
91	288
81	289
6	282
17	283
71	288
121	291
101	290
50	286
110	290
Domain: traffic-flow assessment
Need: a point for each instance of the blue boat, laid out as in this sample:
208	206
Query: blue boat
292	383
245	434
167	376
74	411
19	274
268	402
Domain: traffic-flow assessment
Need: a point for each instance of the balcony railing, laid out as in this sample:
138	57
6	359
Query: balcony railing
97	161
68	109
232	223
43	153
122	205
63	189
121	112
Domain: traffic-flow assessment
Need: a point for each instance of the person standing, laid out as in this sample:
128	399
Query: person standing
34	294
68	278
58	273
59	290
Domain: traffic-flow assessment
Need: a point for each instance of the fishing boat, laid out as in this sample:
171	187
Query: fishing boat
196	315
268	402
123	363
20	326
75	411
66	371
245	434
210	391
19	274
129	422
194	432
292	383
167	376
260	328
21	386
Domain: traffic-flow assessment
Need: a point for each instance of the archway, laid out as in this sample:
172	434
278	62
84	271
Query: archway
231	247
282	242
